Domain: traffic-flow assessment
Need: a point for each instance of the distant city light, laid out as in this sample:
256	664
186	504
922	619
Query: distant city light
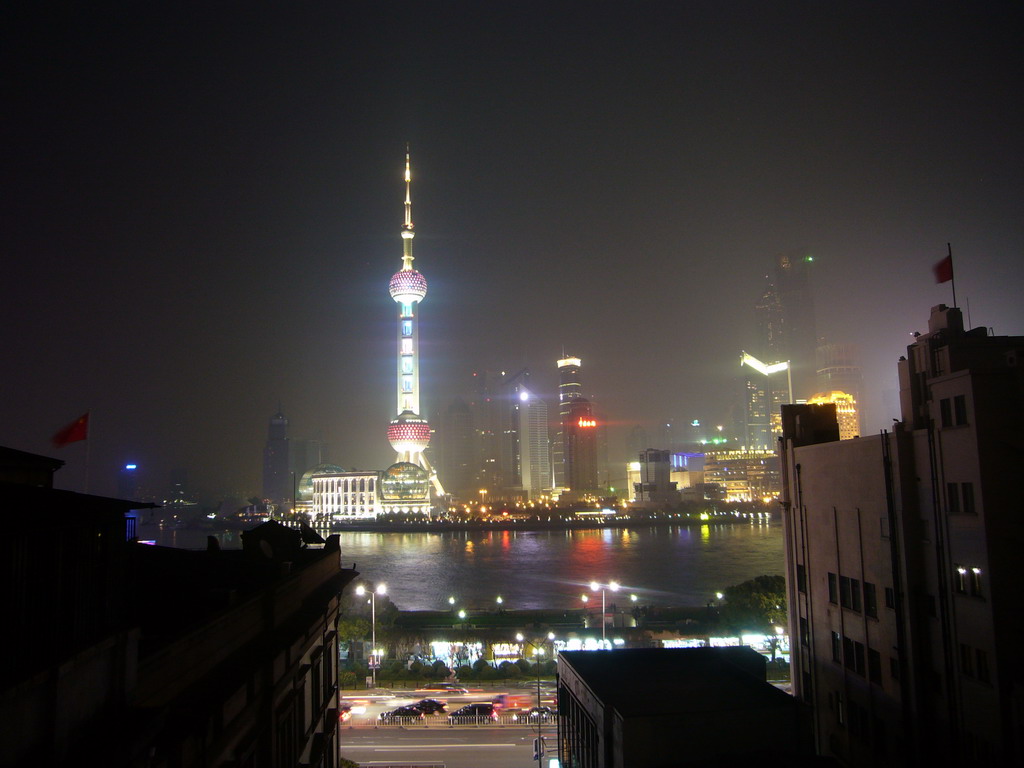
524	395
587	423
130	466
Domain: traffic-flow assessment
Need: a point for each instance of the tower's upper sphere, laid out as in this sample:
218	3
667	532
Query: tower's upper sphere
409	432
408	286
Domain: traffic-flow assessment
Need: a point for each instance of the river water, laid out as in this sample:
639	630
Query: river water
662	565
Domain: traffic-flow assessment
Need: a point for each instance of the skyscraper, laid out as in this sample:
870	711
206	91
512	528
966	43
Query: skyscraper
580	429
459	450
534	444
785	320
276	479
569	389
839	369
409	432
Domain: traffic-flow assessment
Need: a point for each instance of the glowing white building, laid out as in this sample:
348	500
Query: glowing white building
405	485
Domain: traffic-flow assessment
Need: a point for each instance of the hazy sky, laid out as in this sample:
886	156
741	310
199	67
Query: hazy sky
202	207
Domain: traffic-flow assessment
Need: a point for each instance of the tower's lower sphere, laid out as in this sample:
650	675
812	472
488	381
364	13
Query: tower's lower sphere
409	433
404	482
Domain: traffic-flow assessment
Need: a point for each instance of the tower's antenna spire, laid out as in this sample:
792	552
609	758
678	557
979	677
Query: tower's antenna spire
407	231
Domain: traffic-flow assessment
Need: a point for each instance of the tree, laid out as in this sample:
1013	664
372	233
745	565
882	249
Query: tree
353	627
757	604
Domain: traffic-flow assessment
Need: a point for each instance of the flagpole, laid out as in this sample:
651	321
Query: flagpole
88	420
952	272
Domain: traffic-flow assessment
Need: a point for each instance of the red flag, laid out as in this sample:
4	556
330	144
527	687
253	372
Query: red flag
944	270
73	432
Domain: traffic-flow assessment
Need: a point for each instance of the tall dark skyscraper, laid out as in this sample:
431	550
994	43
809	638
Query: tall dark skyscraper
570	388
580	458
276	478
786	329
459	454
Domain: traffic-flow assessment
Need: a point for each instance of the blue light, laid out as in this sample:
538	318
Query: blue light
130	466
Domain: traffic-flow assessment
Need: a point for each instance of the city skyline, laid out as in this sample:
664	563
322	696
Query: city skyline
201	209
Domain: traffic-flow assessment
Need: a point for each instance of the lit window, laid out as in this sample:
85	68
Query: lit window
407	383
407	327
406	364
960	579
406	346
976	582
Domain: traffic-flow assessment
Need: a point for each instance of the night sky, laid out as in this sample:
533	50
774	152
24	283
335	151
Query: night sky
202	207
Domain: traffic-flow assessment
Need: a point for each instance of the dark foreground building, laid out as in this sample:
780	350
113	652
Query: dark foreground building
122	654
903	558
662	708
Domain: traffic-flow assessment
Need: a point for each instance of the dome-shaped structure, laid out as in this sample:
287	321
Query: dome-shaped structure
404	482
409	433
304	491
408	286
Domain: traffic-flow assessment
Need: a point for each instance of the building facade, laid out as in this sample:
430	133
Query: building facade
337	496
164	658
901	561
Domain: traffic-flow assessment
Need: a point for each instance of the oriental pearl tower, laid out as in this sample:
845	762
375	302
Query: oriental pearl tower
408	481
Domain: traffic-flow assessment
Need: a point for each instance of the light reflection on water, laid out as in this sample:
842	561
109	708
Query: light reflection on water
550	569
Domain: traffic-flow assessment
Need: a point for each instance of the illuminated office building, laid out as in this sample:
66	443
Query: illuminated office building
580	456
408	432
839	370
767	386
570	389
846	411
534	444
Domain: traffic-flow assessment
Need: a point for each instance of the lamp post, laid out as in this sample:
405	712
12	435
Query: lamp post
380	590
538	651
614	587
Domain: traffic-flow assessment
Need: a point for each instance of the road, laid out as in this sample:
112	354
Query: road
456	748
368	705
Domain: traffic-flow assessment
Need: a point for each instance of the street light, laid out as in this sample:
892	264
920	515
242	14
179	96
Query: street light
499	601
380	590
614	587
538	651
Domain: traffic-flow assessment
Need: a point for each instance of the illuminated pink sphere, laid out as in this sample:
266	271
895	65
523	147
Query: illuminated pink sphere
408	286
409	432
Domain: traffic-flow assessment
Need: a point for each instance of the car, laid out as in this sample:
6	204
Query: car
480	712
430	706
344	712
542	714
401	715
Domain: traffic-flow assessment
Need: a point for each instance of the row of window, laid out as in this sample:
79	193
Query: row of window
859	722
967	580
974	663
851	594
864	661
347	484
960	499
955	413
